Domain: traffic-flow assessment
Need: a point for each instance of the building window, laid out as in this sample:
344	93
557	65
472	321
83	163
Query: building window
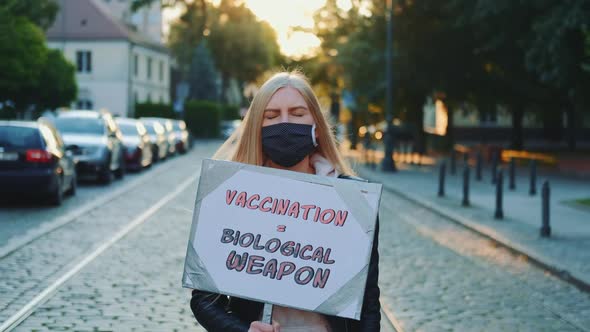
84	104
161	71
149	98
136	64
84	61
149	68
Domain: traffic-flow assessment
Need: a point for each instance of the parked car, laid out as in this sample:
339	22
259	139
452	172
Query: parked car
157	135
183	139
170	135
34	160
96	142
228	127
138	147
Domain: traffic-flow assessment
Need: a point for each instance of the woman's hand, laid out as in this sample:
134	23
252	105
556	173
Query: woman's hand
263	327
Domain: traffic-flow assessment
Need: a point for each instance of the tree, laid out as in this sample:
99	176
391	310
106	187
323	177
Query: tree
40	12
22	58
243	46
187	32
57	84
557	54
30	74
203	76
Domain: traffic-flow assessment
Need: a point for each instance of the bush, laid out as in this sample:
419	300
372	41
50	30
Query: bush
230	112
202	118
154	110
7	113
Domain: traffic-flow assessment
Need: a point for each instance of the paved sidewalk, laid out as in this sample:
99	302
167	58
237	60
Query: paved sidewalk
566	250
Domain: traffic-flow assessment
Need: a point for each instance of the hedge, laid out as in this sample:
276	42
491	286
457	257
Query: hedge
154	110
202	118
230	112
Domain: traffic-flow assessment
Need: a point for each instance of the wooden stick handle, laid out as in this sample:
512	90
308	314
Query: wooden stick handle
267	313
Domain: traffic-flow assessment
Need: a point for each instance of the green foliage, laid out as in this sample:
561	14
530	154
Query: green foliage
57	84
527	55
243	47
7	113
187	32
157	110
203	76
202	118
230	112
30	74
40	12
22	58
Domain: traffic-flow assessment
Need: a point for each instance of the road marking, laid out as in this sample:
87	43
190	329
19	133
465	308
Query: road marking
48	227
14	320
390	316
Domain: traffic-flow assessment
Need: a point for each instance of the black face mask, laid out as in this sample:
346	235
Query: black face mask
287	144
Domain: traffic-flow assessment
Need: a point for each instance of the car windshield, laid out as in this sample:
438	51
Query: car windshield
80	126
19	137
150	129
128	129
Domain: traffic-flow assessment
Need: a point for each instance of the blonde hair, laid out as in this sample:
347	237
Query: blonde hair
245	144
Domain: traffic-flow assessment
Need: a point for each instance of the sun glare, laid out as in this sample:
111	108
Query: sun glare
284	16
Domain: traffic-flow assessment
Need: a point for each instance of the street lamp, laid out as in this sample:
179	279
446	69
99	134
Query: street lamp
388	164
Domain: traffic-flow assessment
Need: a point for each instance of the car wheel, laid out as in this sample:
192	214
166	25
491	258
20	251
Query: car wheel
106	177
57	197
120	172
155	155
73	186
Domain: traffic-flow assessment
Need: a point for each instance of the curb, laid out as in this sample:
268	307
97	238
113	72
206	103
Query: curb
491	234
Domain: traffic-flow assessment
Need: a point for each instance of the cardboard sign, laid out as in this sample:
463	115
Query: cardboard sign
282	237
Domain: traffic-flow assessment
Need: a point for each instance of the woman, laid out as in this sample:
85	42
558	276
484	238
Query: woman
284	128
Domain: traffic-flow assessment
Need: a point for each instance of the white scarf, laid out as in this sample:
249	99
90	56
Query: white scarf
322	165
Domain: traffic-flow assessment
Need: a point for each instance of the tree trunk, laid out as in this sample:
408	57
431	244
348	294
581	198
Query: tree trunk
517	111
571	127
450	136
418	119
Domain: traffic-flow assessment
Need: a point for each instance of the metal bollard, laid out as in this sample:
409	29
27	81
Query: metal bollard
466	186
453	162
494	168
512	185
545	227
478	165
466	159
499	214
533	184
441	179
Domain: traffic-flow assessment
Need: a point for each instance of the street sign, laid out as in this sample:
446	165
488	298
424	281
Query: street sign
287	238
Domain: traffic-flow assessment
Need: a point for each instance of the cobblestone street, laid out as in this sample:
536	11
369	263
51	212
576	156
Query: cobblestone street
434	274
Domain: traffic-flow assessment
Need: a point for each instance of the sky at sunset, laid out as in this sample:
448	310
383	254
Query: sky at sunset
283	15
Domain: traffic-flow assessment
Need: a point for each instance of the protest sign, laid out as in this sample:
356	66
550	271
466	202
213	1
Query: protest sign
282	237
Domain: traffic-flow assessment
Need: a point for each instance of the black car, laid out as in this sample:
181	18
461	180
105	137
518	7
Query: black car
95	140
34	161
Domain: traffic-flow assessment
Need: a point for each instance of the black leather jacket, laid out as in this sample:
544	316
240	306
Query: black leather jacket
219	313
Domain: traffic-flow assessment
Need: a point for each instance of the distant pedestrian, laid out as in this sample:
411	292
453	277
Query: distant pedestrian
284	128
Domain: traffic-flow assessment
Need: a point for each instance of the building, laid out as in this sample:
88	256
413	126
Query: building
117	63
147	20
